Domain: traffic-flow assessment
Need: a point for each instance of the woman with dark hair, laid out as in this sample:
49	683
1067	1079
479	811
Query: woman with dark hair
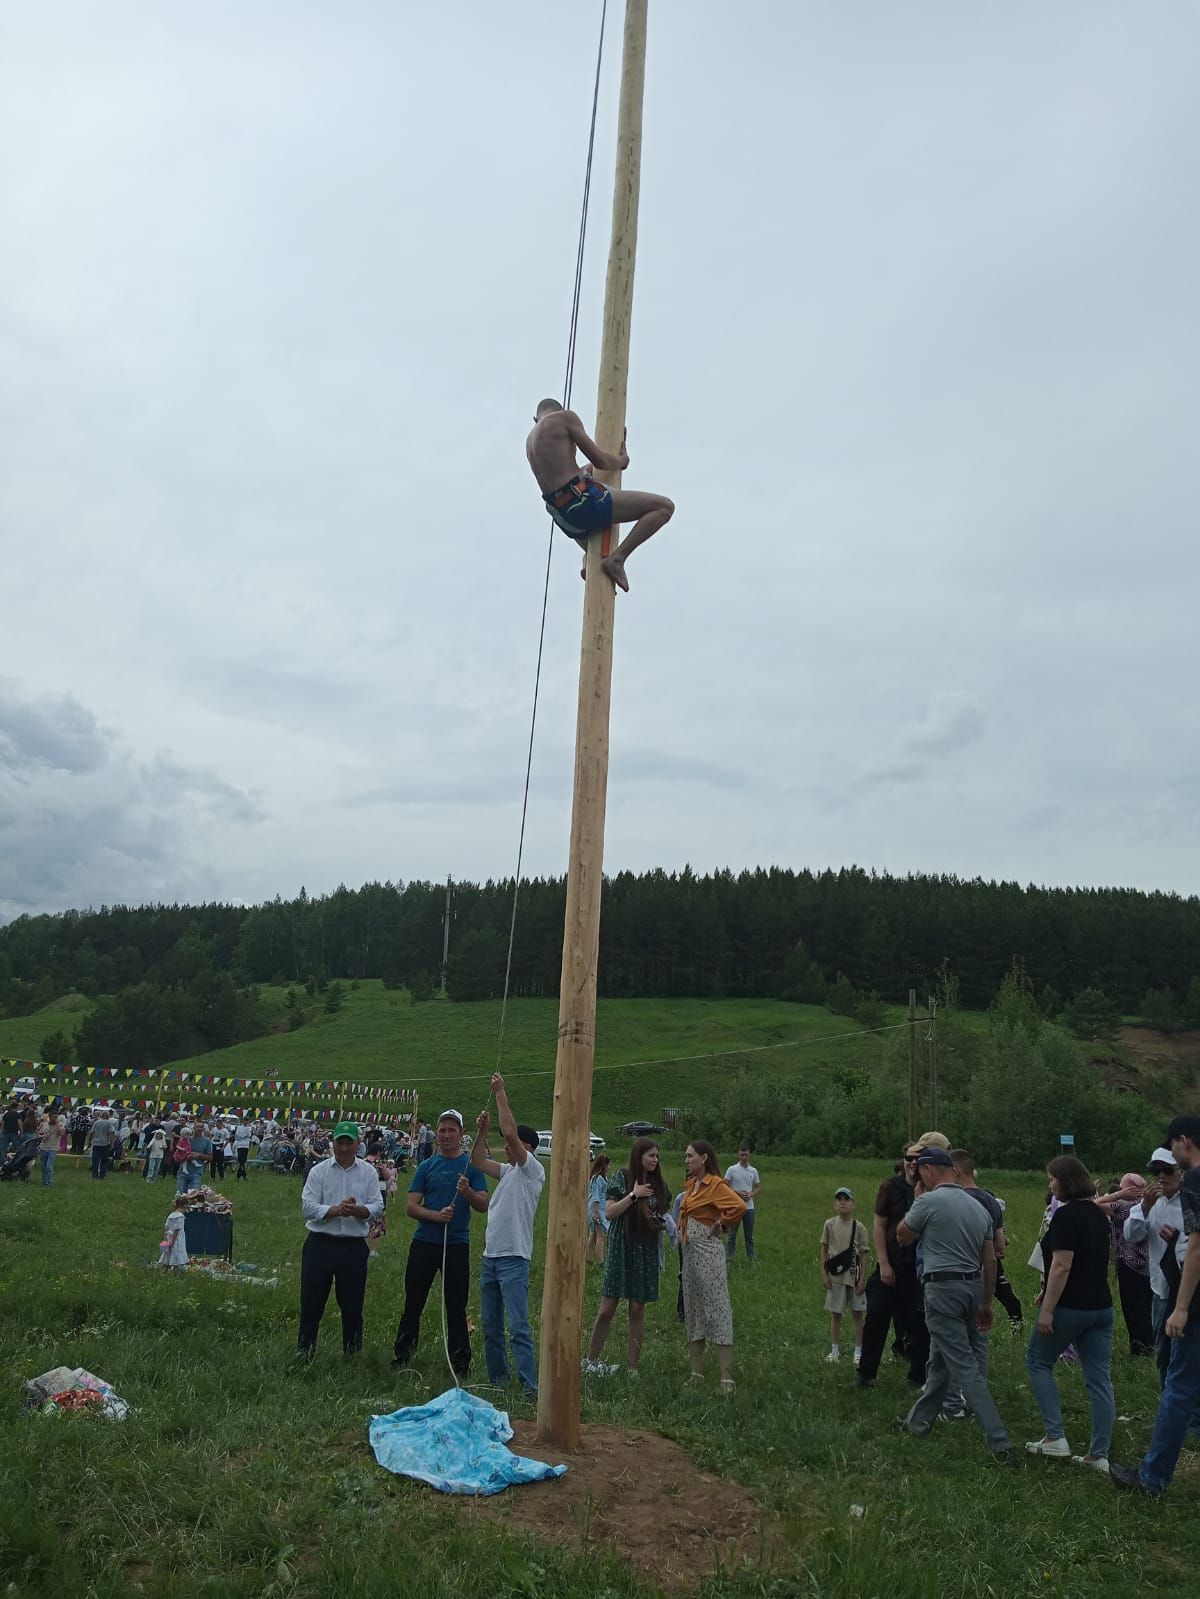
637	1202
708	1209
597	1220
1075	1307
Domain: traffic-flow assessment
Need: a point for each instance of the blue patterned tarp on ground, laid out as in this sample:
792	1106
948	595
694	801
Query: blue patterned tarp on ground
455	1444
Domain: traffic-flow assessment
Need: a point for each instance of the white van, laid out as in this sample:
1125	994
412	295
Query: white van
595	1145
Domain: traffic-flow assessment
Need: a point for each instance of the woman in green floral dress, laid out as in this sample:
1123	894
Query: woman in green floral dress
638	1200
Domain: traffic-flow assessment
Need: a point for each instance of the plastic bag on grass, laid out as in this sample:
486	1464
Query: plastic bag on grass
67	1388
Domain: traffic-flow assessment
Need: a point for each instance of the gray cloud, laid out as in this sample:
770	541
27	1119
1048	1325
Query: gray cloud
950	723
109	827
49	731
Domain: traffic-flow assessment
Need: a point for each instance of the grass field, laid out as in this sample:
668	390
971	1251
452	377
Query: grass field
241	1475
448	1052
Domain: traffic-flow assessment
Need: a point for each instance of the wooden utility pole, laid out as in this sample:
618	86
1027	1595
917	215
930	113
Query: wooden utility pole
446	937
932	1051
912	1065
559	1377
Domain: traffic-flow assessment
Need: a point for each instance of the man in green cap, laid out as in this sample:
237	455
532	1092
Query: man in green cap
340	1200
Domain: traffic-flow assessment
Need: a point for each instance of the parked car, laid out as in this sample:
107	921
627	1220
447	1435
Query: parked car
640	1129
26	1088
595	1145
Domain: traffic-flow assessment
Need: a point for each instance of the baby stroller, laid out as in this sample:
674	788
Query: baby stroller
20	1159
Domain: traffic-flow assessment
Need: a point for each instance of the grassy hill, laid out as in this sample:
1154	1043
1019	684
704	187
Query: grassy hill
448	1052
644	1053
646	1050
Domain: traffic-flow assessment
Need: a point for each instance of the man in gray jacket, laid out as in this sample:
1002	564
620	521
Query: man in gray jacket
958	1276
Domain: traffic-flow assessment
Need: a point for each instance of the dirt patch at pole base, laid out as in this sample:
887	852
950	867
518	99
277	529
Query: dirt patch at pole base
642	1495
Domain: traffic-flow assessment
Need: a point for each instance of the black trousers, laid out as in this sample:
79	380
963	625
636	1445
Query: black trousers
903	1301
241	1155
1006	1294
341	1264
424	1264
218	1163
1136	1299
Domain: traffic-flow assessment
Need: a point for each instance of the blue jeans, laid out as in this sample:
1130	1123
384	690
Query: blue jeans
747	1226
190	1174
46	1156
1177	1408
1091	1331
504	1291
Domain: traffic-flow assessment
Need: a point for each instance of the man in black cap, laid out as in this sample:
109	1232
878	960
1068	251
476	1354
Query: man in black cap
893	1291
958	1276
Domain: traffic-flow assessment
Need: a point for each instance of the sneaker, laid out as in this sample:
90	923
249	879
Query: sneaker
634	1374
597	1368
834	1355
1056	1448
1005	1457
1128	1480
857	1357
1099	1464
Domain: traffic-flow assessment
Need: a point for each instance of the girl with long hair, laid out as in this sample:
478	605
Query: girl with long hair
637	1203
708	1210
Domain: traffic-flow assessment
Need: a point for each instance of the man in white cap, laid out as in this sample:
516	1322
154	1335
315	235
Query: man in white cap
1157	1221
445	1189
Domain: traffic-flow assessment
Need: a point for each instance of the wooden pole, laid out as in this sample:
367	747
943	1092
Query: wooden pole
558	1420
912	1065
932	1049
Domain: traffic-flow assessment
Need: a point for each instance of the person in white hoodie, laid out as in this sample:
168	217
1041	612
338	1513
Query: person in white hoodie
1158	1222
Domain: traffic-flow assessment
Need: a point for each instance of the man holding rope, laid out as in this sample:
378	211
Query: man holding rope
444	1191
508	1244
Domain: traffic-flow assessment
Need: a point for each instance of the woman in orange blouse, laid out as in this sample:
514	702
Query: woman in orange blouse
709	1207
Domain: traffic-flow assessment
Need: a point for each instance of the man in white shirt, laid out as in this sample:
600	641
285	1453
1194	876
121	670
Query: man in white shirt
508	1243
1159	1214
340	1199
743	1178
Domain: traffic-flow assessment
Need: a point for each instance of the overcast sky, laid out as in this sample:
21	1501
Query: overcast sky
914	350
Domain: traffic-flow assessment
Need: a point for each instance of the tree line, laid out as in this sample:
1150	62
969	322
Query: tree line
769	932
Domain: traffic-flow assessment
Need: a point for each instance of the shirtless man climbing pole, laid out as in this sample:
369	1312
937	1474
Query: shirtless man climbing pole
581	505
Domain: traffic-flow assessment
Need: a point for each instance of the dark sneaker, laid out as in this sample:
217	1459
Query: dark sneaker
1126	1478
1007	1457
864	1382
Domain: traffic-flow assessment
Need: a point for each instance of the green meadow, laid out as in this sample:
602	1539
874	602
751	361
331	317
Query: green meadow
240	1474
645	1049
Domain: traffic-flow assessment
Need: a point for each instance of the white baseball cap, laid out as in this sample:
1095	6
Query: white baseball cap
457	1115
1162	1157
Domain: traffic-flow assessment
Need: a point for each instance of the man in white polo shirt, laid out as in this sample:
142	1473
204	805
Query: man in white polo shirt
508	1242
743	1178
341	1198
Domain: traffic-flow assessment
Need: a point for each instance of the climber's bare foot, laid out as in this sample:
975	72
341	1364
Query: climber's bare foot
614	567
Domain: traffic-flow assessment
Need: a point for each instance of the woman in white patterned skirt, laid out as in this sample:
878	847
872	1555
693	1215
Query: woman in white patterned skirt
709	1207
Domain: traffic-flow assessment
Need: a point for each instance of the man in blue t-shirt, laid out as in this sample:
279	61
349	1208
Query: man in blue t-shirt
445	1189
